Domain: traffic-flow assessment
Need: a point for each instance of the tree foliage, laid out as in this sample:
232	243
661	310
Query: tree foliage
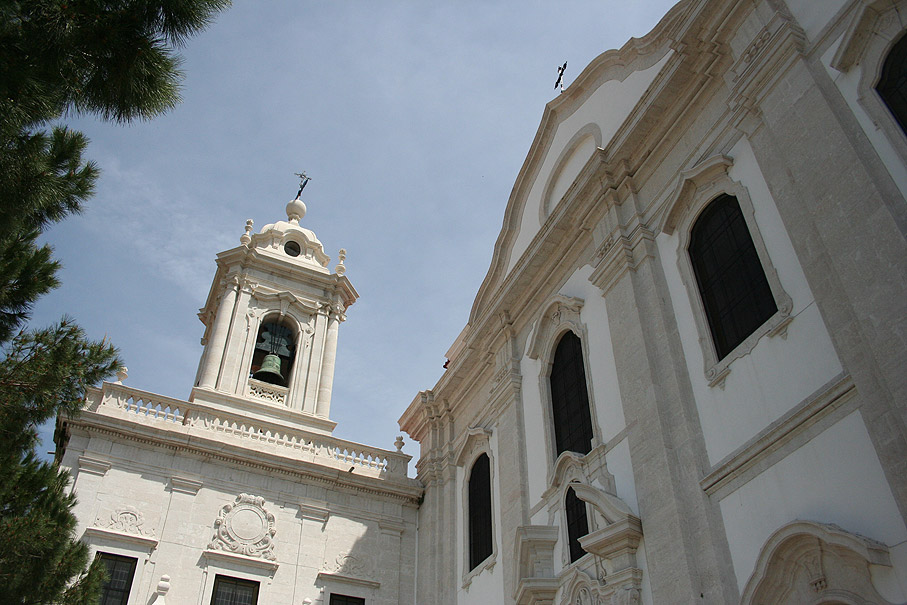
117	59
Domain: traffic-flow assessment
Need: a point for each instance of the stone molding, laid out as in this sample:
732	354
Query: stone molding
146	541
93	466
179	418
324	575
727	474
183	485
221	556
244	527
312	512
806	561
534	579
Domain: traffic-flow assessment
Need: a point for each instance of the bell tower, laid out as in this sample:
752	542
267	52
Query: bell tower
271	323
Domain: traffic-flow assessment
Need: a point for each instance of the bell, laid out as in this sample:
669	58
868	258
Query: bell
270	370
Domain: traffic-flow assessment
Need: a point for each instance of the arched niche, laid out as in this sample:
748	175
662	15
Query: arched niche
806	562
570	162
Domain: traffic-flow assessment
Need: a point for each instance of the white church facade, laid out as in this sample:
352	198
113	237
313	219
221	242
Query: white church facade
683	379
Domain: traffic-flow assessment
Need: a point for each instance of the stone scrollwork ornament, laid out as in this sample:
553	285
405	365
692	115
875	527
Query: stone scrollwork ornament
128	520
244	527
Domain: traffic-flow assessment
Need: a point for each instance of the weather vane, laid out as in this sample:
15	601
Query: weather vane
303	180
560	76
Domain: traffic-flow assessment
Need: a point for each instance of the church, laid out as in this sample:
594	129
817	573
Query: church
682	380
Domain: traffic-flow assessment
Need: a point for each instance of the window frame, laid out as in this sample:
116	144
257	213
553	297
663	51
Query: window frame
222	578
716	370
101	555
874	31
349	599
560	315
475	443
471	511
726	335
571	407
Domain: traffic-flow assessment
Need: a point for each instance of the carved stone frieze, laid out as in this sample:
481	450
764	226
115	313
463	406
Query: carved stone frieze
127	519
244	527
349	565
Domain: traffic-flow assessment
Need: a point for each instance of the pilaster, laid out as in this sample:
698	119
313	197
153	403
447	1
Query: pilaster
686	549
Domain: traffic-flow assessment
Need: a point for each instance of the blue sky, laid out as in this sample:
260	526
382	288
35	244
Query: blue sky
412	118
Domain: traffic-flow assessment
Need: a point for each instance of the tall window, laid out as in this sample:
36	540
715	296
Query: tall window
120	571
480	538
274	351
735	293
569	398
892	86
339	599
577	524
233	591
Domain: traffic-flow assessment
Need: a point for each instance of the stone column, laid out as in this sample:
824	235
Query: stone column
214	353
326	378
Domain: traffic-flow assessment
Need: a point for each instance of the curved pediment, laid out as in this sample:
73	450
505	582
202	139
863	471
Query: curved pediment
575	126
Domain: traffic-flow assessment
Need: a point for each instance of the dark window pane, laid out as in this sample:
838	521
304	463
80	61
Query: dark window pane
120	571
233	591
339	599
892	86
480	544
569	398
735	292
577	524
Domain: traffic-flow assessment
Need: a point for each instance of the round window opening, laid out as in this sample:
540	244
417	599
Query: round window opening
291	248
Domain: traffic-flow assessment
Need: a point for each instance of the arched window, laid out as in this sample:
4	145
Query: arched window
892	86
577	524
569	398
735	293
274	352
480	538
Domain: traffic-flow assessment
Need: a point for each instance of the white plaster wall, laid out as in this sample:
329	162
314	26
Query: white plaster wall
848	84
813	15
534	418
607	108
779	372
568	170
621	467
834	478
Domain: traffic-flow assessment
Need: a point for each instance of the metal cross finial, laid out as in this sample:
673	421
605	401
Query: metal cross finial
560	76
303	180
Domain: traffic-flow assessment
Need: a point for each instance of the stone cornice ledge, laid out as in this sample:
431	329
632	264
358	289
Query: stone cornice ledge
820	404
149	543
336	577
537	591
217	555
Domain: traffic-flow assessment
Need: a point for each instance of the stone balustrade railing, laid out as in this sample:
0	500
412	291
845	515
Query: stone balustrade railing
124	402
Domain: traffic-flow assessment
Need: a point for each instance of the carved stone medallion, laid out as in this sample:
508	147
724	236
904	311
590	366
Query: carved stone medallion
245	527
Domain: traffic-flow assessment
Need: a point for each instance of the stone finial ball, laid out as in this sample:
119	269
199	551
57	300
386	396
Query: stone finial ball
295	210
